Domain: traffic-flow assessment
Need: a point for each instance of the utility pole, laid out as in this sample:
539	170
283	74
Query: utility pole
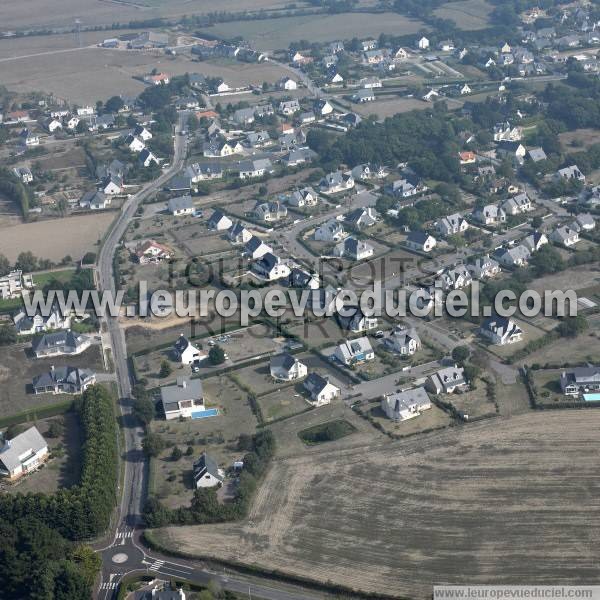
78	31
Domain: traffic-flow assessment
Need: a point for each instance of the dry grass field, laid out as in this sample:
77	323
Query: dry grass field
497	502
467	14
56	238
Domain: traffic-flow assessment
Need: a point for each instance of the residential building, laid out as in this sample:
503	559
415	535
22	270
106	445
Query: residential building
501	330
584	222
517	256
219	222
405	405
358	350
182	205
207	473
419	240
186	353
361	218
447	381
571	173
490	214
60	343
183	399
423	43
286	367
320	390
289	107
301	198
147	158
238	234
565	236
579	380
403	340
151	252
484	267
11	285
455	278
24	174
95	200
64	380
323	108
255	248
452	225
249	169
537	154
271	267
535	241
23	454
336	182
352	318
287	83
303	279
330	231
517	205
298	156
270	211
26	325
354	249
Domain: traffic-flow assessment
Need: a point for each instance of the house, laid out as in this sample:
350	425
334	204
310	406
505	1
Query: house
564	236
465	90
501	331
571	173
187	102
303	279
183	399
514	150
351	120
301	198
306	117
536	154
94	200
446	381
185	352
244	116
141	132
151	252
182	205
362	96
369	44
320	390
29	139
298	156
219	222
64	380
336	47
330	231
11	284
204	172
270	267
362	217
289	107
351	318
535	241
490	214
72	122
323	108
24	174
403	340
517	204
60	343
52	125
418	240
455	278
446	46
147	158
86	111
149	39
367	171
23	454
513	257
270	211
405	405
484	267
577	380
430	95
467	158
336	182
285	367
249	169
219	147
336	78
403	188
256	248
584	222
238	234
369	83
354	249
423	43
158	79
504	132
400	54
354	351
26	325
207	473
452	225
290	140
111	185
257	139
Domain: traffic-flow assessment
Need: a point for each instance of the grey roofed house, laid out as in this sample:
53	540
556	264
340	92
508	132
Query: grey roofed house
283	361
185	389
351	119
105	121
446	380
299	156
181	203
537	154
69	380
406	404
301	279
206	465
197	80
59	342
417	237
571	172
180	183
244	116
256	138
94	200
30	441
362	217
254	243
585	378
115	169
315	384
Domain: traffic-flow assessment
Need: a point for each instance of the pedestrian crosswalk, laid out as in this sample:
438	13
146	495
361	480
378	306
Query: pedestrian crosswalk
109	585
124	535
156	565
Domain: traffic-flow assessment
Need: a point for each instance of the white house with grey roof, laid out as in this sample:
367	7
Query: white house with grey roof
23	454
255	248
484	267
518	256
517	205
584	222
185	352
26	325
336	182
330	231
455	278
451	225
570	173
219	222
402	406
490	214
207	473
447	381
182	399
403	340
501	331
95	200
64	380
249	169
354	249
418	240
357	350
565	236
286	367
580	380
182	205
321	392
271	267
238	234
60	343
305	196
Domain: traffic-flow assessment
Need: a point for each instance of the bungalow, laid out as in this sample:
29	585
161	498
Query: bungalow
565	236
255	248
578	380
303	279
330	231
158	79
489	214
403	340
301	198
306	117
185	352
362	96
369	83
285	367
517	205
484	267
151	252
571	173
23	454
354	249
513	257
249	169
418	240
337	182
401	406
182	205
183	399
351	318
362	217
451	225
270	267
147	158
446	381
64	380
219	222
535	241
320	390
206	474
238	234
501	331
354	351
270	211
60	343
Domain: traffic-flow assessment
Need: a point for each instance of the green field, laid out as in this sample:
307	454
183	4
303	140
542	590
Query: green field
467	14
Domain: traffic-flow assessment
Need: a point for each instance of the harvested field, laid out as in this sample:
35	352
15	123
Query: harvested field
467	14
56	238
484	503
276	34
389	107
579	139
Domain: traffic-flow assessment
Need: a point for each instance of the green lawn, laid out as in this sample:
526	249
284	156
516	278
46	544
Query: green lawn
41	279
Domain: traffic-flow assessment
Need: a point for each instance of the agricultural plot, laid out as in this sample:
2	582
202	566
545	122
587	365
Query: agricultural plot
487	490
467	14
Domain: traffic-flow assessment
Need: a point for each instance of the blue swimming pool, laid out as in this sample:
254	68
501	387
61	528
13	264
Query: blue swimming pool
203	414
593	397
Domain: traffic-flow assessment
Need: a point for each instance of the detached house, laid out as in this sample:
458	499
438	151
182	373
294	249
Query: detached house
363	95
186	353
320	390
456	278
256	248
489	214
206	475
352	318
303	279
354	249
184	399
571	173
405	405
331	231
39	323
271	267
362	217
270	211
181	205
513	257
403	340
22	454
219	222
289	107
418	240
301	198
238	234
285	367
447	381
501	331
535	241
337	182
354	351
147	158
517	205
451	225
565	236
250	169
484	267
60	343
64	380
584	222
151	252
578	380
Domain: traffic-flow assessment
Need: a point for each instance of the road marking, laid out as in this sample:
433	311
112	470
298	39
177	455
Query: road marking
156	565
109	586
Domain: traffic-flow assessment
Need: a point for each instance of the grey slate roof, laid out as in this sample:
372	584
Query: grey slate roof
31	439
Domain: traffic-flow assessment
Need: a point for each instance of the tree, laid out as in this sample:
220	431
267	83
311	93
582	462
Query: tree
460	354
471	373
536	222
189	451
4	265
114	104
14	430
82	127
144	409
216	355
8	335
176	453
572	326
547	260
54	429
153	444
165	369
26	261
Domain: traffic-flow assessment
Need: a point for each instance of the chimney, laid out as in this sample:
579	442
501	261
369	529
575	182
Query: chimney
184	383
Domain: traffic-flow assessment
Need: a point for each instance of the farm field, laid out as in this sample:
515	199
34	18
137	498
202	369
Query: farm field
534	466
276	34
389	106
56	238
467	14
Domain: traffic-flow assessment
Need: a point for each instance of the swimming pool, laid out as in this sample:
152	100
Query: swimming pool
203	414
592	397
